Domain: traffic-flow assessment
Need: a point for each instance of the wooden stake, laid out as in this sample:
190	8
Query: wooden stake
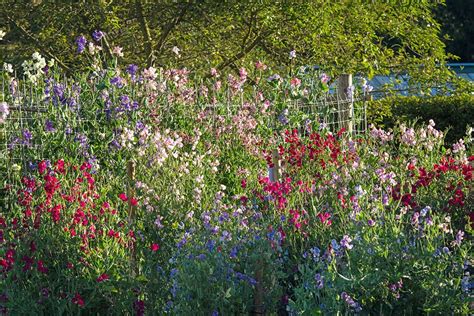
274	173
346	107
131	212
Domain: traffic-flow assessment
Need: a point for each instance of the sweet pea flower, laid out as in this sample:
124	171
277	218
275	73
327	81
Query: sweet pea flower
81	44
123	197
103	277
4	112
154	247
97	35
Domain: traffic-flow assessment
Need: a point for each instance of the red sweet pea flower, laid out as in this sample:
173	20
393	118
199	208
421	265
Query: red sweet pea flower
77	299
85	166
133	201
324	217
42	166
32	246
102	277
154	247
41	267
60	166
123	197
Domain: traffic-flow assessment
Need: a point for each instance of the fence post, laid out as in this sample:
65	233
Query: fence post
346	107
131	211
274	173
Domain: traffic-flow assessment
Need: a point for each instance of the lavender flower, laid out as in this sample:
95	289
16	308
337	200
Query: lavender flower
49	126
132	70
446	250
158	223
275	77
425	211
125	103
283	117
350	92
459	238
26	137
233	252
459	146
81	44
97	35
118	81
226	236
4	111
350	302
319	280
82	140
346	242
366	87
315	253
466	284
335	245
58	94
210	245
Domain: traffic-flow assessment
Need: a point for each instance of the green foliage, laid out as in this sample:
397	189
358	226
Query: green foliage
368	37
454	112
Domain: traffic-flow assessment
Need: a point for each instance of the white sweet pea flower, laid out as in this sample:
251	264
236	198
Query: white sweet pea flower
8	67
176	50
117	51
4	111
2	34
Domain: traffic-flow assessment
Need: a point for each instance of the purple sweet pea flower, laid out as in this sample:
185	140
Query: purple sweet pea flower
132	71
97	35
346	242
118	81
319	281
81	44
459	238
350	302
27	136
49	126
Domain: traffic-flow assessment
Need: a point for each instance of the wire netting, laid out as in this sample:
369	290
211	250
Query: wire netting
32	105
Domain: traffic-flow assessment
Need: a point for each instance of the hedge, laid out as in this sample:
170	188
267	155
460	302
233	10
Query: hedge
455	112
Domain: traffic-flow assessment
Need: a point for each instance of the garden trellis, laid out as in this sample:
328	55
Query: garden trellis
29	104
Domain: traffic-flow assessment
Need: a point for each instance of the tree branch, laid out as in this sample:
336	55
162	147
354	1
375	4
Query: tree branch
149	50
240	54
38	44
169	27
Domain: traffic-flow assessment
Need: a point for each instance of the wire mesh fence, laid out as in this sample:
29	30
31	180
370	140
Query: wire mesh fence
34	107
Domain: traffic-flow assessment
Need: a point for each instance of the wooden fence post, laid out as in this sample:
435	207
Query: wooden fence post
274	173
131	211
346	107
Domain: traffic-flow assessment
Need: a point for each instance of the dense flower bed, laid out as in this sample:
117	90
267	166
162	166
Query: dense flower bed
136	207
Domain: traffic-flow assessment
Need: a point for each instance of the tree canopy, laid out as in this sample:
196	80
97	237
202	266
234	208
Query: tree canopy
366	37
